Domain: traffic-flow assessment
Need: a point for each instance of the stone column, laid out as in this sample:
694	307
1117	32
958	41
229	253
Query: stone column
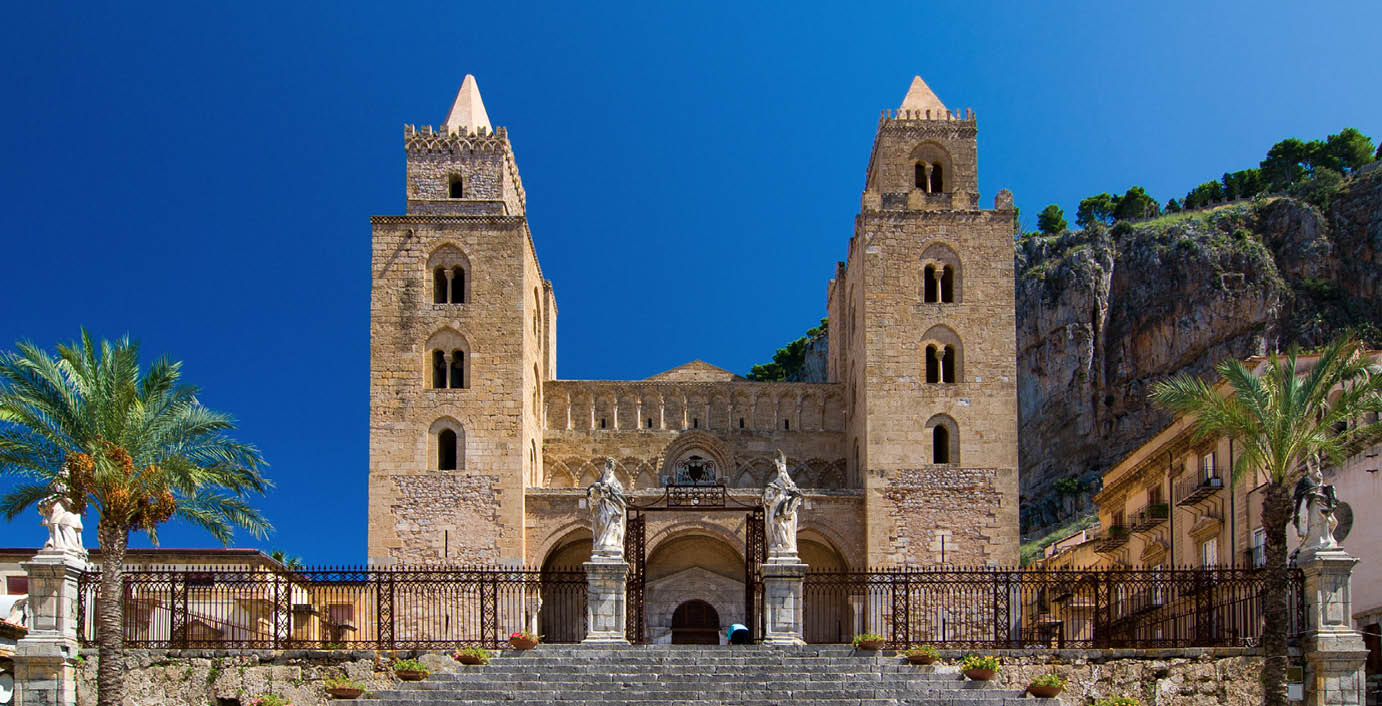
606	607
782	602
44	672
1334	651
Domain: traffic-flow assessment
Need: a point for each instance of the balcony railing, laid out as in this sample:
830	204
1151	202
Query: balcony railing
1198	486
1112	538
1151	515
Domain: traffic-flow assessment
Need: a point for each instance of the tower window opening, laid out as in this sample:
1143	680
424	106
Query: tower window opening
786	425
438	369
940	444
457	285
446	450
929	284
602	422
937	181
948	284
921	182
741	422
948	365
933	365
457	190
439	285
695	422
457	369
650	422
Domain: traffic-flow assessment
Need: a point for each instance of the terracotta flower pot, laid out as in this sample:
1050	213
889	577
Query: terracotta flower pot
981	674
1044	692
921	659
464	658
522	643
410	674
345	692
870	644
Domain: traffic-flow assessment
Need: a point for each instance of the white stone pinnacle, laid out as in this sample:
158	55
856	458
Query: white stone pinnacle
920	98
468	112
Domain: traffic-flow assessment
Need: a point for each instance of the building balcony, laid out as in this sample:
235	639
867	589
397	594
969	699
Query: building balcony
1149	517
1112	539
1199	486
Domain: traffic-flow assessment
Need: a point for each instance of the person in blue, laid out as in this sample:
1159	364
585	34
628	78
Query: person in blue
738	634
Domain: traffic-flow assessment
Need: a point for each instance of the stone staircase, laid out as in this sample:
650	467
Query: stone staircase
834	675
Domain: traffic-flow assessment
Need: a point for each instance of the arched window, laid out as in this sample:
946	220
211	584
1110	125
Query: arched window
929	284
933	365
942	274
945	439
438	369
940	444
450	270
457	378
447	452
947	284
945	360
457	190
457	285
948	364
439	286
937	182
921	182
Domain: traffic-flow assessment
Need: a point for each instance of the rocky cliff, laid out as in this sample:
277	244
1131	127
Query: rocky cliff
1105	313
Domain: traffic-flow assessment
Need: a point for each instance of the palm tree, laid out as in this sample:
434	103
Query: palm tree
292	563
137	447
1283	419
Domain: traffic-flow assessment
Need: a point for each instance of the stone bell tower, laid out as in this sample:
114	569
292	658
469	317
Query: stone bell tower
462	337
926	345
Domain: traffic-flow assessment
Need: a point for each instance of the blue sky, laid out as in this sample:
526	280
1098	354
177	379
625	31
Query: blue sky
201	176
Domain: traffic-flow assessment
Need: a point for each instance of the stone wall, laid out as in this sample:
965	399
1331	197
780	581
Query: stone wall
214	677
1183	677
922	505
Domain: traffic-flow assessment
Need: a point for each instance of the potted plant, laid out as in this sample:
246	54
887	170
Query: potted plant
1046	686
980	668
869	641
268	700
925	654
344	688
524	640
410	670
1160	511
471	655
1117	701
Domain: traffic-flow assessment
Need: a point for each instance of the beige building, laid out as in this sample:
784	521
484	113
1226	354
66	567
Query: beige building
906	448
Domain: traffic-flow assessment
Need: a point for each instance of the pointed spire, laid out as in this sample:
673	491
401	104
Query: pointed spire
920	98
468	111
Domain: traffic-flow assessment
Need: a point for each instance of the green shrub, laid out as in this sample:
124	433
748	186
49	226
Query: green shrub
1055	680
867	637
410	665
923	651
344	683
1117	701
479	653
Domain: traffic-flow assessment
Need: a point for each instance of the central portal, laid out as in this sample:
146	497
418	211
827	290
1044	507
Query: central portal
695	622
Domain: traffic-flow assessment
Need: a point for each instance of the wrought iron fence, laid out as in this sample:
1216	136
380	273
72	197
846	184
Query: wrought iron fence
395	608
1006	608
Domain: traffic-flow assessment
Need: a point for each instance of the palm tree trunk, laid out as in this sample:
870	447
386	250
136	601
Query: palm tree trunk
110	673
1276	515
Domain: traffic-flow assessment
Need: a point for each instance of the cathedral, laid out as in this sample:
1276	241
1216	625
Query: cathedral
906	449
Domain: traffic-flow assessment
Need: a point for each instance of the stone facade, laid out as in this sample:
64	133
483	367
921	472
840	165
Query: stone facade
921	355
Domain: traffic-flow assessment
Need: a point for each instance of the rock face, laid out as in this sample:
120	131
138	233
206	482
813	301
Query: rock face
1105	313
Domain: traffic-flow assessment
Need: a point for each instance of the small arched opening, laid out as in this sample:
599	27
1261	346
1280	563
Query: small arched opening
929	288
695	622
933	365
457	376
948	364
944	434
456	188
448	450
940	444
937	179
438	370
947	284
920	180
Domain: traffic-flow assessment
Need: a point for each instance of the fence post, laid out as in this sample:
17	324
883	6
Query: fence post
44	669
1334	651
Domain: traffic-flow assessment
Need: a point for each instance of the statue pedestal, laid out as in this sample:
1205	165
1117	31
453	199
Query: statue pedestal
606	605
44	674
1334	652
782	607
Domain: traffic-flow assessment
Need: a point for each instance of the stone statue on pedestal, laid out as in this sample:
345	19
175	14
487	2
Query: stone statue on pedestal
1315	503
64	526
608	509
781	498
